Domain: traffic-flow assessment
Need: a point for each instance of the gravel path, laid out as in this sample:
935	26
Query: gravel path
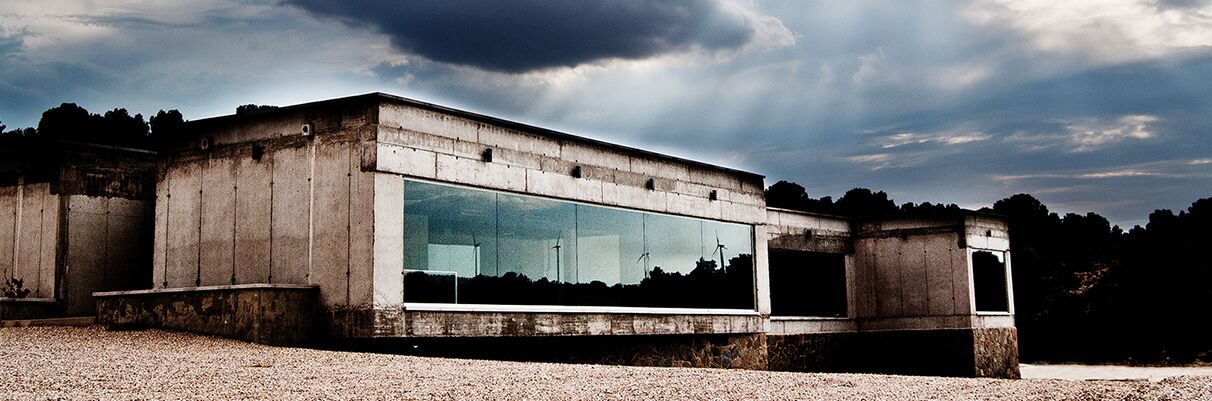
91	363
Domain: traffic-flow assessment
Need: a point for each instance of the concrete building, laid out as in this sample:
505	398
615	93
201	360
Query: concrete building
74	219
382	217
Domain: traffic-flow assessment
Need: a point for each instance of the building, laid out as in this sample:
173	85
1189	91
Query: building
380	217
74	219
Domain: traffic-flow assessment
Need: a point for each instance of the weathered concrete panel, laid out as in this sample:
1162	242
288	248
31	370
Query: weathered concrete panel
330	249
254	194
388	241
183	230
8	223
914	277
509	139
563	186
660	168
125	254
290	220
476	172
218	237
361	237
429	122
761	260
594	155
87	247
888	279
160	232
49	247
962	282
388	135
634	197
29	245
407	161
939	249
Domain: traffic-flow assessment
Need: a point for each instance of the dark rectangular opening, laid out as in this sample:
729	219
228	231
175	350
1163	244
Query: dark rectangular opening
989	281
807	283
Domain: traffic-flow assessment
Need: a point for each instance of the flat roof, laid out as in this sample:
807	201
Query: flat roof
486	119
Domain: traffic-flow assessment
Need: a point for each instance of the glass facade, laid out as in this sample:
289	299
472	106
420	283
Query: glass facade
470	246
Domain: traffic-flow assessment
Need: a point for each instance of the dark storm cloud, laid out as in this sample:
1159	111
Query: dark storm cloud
525	35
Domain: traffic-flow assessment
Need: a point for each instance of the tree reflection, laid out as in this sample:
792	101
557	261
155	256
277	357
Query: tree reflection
706	286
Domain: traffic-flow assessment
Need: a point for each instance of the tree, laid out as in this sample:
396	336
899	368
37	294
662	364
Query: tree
165	124
863	202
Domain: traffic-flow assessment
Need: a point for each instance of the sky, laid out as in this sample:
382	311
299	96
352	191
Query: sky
1090	106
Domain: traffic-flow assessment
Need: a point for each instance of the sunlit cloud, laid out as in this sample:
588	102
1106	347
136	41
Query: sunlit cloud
1106	31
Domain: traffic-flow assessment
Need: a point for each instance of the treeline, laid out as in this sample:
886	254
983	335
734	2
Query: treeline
70	122
1085	290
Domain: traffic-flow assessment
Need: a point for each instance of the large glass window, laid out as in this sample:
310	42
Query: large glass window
470	246
807	283
989	281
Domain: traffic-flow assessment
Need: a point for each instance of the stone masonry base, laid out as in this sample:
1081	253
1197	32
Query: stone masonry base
263	313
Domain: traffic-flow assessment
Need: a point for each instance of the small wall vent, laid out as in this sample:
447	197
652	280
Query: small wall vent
306	130
204	143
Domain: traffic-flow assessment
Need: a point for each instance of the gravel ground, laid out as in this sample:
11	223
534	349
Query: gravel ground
91	363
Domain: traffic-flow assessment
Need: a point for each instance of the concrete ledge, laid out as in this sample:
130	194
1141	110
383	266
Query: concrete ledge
60	321
264	313
29	308
493	324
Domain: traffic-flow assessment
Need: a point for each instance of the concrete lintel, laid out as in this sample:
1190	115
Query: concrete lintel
256	286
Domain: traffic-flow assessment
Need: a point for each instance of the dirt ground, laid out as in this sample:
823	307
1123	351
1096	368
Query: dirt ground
91	363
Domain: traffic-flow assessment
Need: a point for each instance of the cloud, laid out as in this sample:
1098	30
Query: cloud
945	138
528	35
1109	32
1089	134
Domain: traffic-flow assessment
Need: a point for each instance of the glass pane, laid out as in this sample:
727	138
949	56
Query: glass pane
989	280
807	283
450	237
732	245
480	247
537	248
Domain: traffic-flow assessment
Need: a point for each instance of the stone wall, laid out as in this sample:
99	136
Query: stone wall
269	314
740	351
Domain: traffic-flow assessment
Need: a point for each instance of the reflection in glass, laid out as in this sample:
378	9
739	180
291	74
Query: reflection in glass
472	246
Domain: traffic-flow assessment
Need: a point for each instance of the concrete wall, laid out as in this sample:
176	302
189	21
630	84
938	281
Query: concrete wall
911	269
426	144
107	244
266	204
915	273
29	237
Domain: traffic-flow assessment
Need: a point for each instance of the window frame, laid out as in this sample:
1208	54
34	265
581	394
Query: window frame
1009	282
513	308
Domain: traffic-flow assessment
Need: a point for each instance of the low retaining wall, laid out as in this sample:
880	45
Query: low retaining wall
989	352
729	351
29	308
277	314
